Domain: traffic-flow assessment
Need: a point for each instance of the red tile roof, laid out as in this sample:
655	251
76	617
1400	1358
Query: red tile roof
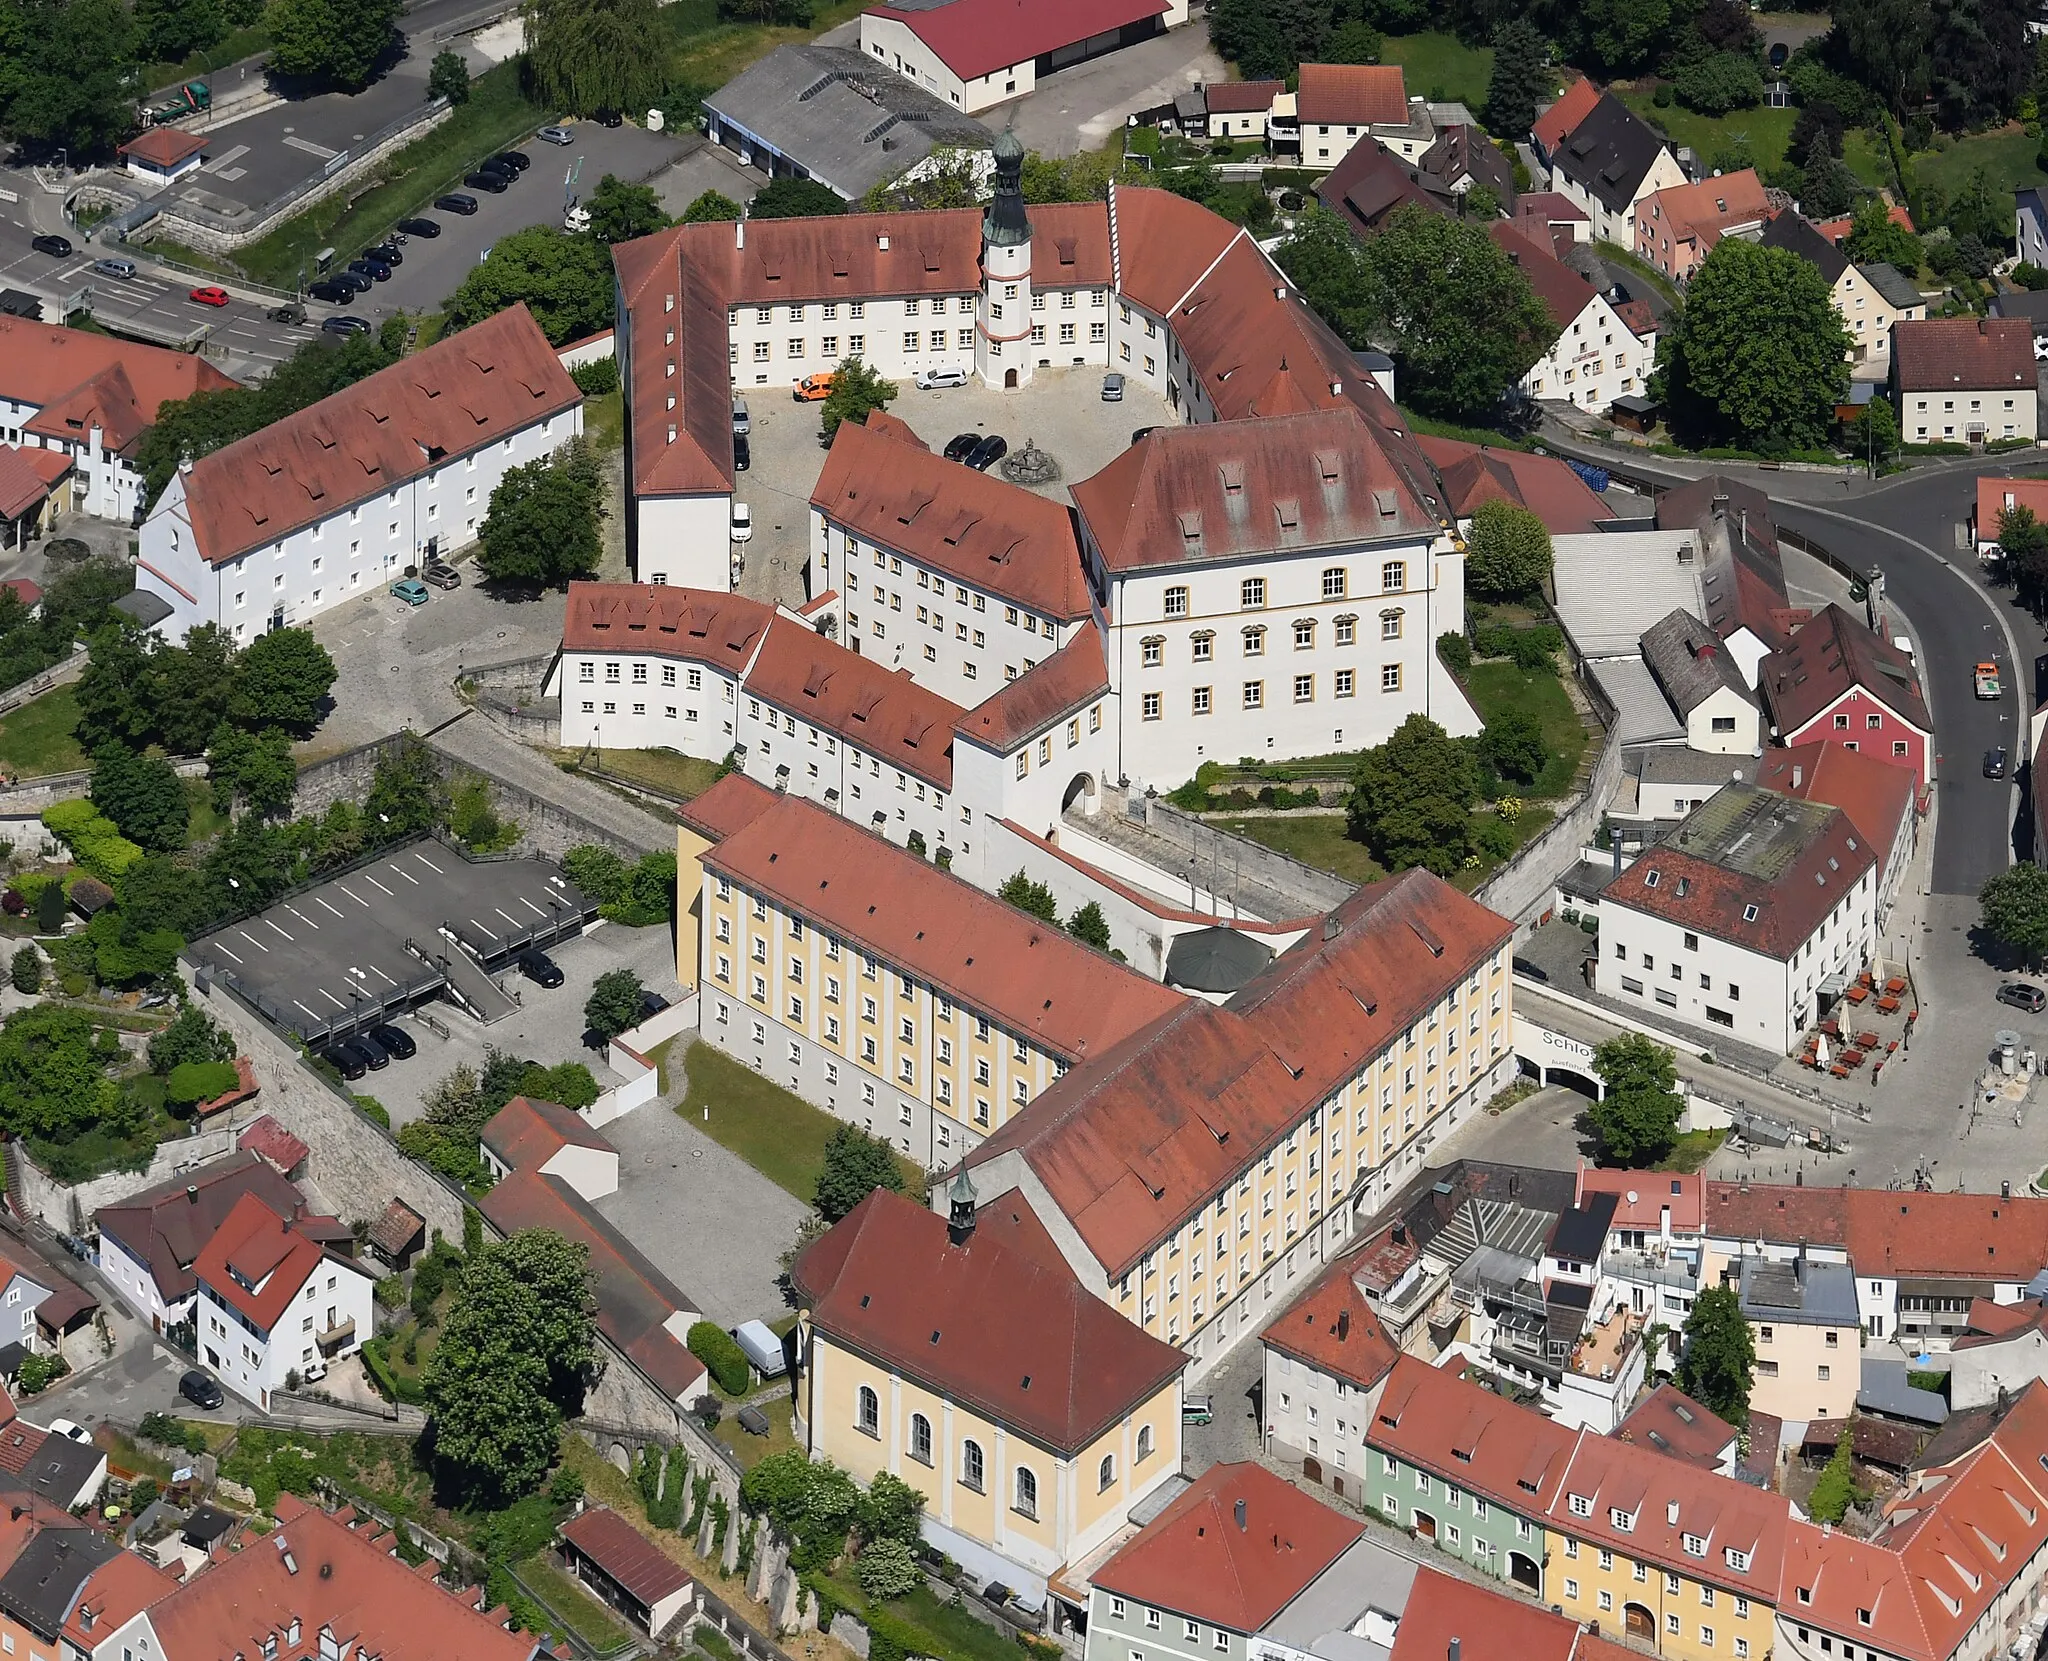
19	1441
1164	245
1990	1323
1834	1580
1130	1145
1564	293
1441	1610
1775	1211
1946	354
315	1568
1059	1365
1221	489
1035	981
1073	676
1473	474
1672	1423
464	392
625	1554
526	1134
27	476
256	1262
1204	1559
1876	794
244	1089
1643	1197
1965	1236
1370	183
41	363
1332	1328
974	527
1356	95
115	1592
1962	1540
1555	124
974	38
733	801
165	147
1701	212
1832	656
694	624
276	1144
167	1227
1441	1422
869	705
1241	97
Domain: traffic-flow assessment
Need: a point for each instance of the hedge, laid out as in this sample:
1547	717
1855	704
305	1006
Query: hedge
376	1358
192	1082
717	1349
92	838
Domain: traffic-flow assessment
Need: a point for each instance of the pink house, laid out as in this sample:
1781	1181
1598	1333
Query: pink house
1838	683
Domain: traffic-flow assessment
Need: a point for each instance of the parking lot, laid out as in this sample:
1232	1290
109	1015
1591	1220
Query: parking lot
546	1024
1061	411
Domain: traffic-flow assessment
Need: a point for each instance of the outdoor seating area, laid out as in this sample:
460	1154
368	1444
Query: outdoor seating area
1853	1036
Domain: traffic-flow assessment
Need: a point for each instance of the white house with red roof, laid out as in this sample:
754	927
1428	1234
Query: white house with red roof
1601	353
979	53
274	1302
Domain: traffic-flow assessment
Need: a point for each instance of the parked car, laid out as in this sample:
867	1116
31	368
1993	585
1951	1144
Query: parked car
385	251
555	135
368	1054
816	388
742	453
411	590
1994	762
71	1429
57	247
927	379
988	452
651	1003
211	294
124	269
742	422
289	313
1112	388
200	1390
456	202
428	228
1139	435
2023	995
483	179
375	1053
344	1061
397	1042
440	574
334	293
513	161
539	968
609	118
961	446
345	323
375	270
742	522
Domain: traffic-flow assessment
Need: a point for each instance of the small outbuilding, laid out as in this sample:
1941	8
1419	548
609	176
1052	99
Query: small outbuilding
165	154
398	1236
626	1569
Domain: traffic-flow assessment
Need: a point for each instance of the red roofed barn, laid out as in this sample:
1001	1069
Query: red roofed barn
976	54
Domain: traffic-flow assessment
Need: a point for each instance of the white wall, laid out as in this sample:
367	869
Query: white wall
1725	724
894	44
1948	417
627	701
132	1279
1596	360
111	488
253	1364
356	549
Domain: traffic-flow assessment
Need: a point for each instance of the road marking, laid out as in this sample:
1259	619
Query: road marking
312	1012
429	864
409	877
250	939
374	883
226	953
322	900
234	155
302	917
312	149
228	175
276	927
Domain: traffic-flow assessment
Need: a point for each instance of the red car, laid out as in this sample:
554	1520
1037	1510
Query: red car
210	296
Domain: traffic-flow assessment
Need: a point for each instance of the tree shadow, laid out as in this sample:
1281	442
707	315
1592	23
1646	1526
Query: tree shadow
1988	948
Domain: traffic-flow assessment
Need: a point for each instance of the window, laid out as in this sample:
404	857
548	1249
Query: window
1304	634
1254	694
1201	700
1252	593
1144	1443
1333	583
1026	1504
1151	713
1390	677
1255	642
1205	646
1345	680
1304	689
920	1438
1152	651
867	1416
971	1467
1105	1473
1394	576
1176	602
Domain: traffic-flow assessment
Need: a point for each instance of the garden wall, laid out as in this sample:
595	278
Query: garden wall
69	1208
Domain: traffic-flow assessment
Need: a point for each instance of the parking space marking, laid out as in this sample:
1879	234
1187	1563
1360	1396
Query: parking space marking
374	883
234	155
311	149
277	927
321	899
228	953
302	917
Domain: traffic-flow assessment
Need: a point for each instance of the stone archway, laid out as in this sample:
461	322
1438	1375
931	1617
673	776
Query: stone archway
621	1456
1522	1570
1639	1622
1081	789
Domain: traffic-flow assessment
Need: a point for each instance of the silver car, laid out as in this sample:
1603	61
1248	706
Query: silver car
555	135
1112	388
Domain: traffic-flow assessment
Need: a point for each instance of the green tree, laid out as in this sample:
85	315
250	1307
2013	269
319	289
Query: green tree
1090	925
143	796
712	206
1522	78
1267	39
1462	323
192	1036
1507	551
857	388
157	892
590	55
614	1003
255	770
542	527
407	796
1512	745
1622	36
891	1510
112	692
1885	45
53	1073
332	40
795	199
67	72
1636	1121
1757	354
1411	799
2013	908
1082	177
1353	41
1719	83
1873	432
563	279
947	178
448	77
1835	1491
856	1164
190	688
1327	265
169	31
1719	1361
2023	555
26	971
1034	897
887	1569
619	212
281	680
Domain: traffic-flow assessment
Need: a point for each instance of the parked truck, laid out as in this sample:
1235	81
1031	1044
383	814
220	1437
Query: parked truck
187	100
1987	681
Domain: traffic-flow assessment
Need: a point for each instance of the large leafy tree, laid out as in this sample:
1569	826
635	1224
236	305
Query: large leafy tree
713	206
795	199
1876	238
1461	322
255	770
1981	59
2013	906
1507	551
1757	356
589	55
565	280
67	74
1636	1120
281	680
1268	39
1884	44
332	40
191	686
54	1072
448	77
1622	36
168	31
1521	78
1327	265
858	388
407	794
614	1003
619	212
1411	801
143	796
542	527
856	1164
1719	1363
112	692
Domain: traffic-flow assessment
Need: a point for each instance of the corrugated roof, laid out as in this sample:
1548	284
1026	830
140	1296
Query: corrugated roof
625	1554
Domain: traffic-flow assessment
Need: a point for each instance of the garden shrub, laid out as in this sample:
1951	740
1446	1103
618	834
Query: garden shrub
92	838
719	1351
193	1082
1455	651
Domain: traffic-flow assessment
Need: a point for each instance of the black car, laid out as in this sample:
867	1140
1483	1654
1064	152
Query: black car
346	1061
456	202
651	1003
334	293
742	453
59	247
287	314
428	228
396	1042
373	1052
200	1390
608	118
346	324
495	183
386	252
1994	762
512	161
2021	995
539	968
376	270
960	447
988	452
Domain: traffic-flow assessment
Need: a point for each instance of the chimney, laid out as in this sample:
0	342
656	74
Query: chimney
1238	1511
1798	776
2005	1189
1344	1321
191	1193
1799	1178
1332	927
1456	1650
960	1214
1671	1512
1721	506
739	231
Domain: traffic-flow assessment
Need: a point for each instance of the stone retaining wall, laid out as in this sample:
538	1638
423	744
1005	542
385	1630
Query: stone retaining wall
68	1207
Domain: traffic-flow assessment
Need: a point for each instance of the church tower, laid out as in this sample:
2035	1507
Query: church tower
1002	341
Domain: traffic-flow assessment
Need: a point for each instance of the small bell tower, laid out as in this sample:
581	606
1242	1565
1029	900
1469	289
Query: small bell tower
960	1214
1002	339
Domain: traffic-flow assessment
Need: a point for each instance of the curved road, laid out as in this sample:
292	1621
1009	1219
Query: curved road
1907	527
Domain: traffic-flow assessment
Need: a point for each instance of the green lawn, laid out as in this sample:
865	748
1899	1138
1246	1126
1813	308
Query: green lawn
1694	1149
1433	428
1767	131
780	1135
751	1450
1496	687
206	823
39	737
952	1633
604	420
2010	156
666	770
570	1604
1317	840
1440	66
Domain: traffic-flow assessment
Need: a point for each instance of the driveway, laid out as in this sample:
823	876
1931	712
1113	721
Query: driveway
1082	107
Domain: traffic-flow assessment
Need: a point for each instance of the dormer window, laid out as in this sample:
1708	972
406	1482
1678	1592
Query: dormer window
1625	1521
1739	1562
1863	1617
1694	1545
1650	880
1581	1505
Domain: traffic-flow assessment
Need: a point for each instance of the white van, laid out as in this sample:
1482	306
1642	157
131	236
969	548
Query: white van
742	422
927	379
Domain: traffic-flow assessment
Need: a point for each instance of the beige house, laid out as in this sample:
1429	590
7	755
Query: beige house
1803	1320
961	1354
1869	299
1965	380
